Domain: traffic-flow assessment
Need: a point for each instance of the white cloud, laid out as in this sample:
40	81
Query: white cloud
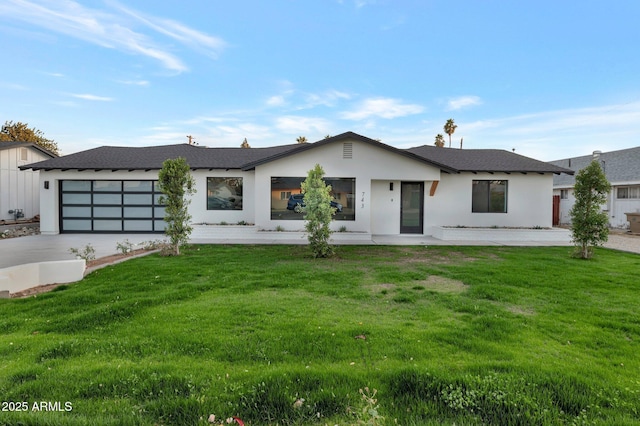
455	104
551	135
382	107
89	97
327	98
277	100
302	125
134	82
177	31
112	30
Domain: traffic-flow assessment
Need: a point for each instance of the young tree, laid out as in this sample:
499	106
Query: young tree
20	132
317	199
176	184
589	224
449	128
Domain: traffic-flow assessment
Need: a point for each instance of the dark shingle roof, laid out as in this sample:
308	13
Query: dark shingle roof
13	144
619	166
151	158
485	160
348	136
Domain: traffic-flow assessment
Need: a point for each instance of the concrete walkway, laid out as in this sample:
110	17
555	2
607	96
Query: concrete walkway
43	248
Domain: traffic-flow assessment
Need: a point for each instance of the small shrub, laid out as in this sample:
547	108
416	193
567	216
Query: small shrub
279	228
318	214
369	412
342	229
154	244
125	247
87	253
223	223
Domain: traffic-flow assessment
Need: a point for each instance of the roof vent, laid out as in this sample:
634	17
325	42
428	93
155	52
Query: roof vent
347	150
596	154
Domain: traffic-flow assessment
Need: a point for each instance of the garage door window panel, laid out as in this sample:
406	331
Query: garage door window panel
111	206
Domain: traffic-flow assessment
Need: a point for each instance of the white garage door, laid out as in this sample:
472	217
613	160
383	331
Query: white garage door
110	206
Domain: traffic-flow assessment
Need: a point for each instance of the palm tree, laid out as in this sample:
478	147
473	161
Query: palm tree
449	128
301	139
439	140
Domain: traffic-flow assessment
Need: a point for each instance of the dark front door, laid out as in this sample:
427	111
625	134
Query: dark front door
412	208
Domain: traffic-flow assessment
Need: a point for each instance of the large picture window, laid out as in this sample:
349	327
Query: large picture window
287	201
489	196
224	193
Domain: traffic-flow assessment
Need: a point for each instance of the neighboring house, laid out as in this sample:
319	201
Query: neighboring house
622	169
383	190
19	189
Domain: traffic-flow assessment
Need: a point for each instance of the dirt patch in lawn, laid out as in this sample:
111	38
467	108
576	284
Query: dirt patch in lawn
442	284
432	283
410	255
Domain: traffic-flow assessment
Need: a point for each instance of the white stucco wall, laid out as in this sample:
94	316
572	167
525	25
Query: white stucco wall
529	201
49	220
385	216
368	163
18	188
198	207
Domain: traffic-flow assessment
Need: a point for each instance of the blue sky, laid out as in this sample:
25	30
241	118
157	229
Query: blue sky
552	79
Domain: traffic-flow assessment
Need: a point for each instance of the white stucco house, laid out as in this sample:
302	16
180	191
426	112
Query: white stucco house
622	169
381	190
19	189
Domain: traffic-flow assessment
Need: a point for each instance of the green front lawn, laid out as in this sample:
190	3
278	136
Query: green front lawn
446	335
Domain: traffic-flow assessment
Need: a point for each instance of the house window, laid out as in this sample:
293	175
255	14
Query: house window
224	193
287	201
628	192
24	154
564	194
489	196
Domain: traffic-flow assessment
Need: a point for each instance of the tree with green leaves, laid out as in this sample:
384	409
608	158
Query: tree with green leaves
589	224
319	213
21	132
449	128
177	184
439	140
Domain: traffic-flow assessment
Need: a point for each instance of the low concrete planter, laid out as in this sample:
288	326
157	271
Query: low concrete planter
22	277
250	232
502	234
224	231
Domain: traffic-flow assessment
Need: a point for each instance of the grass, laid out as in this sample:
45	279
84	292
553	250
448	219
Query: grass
448	335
